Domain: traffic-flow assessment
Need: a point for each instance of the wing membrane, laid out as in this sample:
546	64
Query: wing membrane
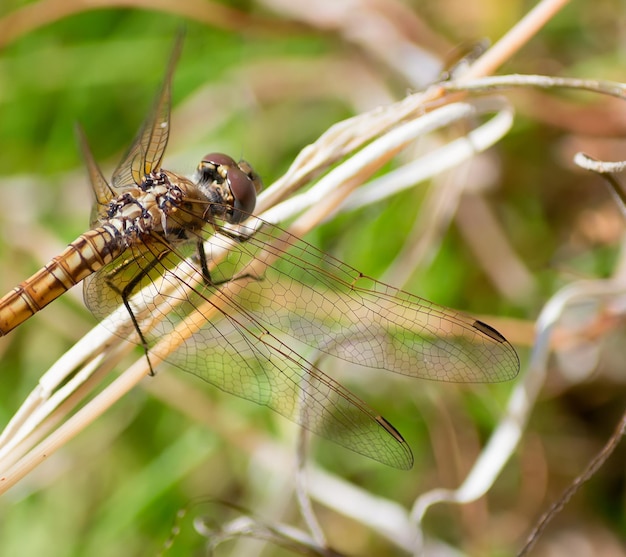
237	353
101	189
235	332
146	152
328	305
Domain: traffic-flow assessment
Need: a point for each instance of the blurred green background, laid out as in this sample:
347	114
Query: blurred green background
260	83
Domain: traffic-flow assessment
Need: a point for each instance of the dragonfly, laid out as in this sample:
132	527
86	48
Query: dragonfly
245	305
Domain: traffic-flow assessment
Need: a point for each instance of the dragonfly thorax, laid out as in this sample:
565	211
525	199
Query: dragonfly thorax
148	209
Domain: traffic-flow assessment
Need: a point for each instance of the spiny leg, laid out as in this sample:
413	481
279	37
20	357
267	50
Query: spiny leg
206	274
125	294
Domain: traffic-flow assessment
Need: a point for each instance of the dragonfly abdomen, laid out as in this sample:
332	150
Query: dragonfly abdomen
88	253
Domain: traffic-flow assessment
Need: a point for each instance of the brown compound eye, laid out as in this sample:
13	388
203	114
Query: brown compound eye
247	169
244	192
219	159
243	185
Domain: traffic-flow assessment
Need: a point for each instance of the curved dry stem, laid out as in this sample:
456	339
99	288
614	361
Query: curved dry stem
505	438
606	171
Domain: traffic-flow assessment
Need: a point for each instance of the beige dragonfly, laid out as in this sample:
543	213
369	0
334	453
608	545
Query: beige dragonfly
243	300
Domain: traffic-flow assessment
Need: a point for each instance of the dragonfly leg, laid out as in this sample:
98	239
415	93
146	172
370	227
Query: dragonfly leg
206	274
126	293
234	235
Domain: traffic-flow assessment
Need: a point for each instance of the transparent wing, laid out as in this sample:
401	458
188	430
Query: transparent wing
213	339
320	301
146	152
272	294
101	188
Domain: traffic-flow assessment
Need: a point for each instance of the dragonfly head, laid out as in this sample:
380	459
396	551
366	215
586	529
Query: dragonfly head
242	181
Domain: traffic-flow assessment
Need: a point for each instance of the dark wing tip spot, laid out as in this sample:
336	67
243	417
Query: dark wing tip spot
488	330
405	461
387	425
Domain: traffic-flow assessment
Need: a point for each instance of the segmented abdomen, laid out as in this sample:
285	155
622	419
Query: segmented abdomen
90	252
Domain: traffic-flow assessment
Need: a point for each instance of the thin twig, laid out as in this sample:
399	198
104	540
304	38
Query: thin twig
595	464
516	38
606	170
506	436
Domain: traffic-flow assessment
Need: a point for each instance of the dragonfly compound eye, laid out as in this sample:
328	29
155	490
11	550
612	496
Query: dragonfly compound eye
219	159
243	189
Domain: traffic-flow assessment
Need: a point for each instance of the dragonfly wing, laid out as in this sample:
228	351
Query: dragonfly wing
146	152
237	354
326	304
101	188
238	328
207	333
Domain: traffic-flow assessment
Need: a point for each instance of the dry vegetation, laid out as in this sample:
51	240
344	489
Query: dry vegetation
463	192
